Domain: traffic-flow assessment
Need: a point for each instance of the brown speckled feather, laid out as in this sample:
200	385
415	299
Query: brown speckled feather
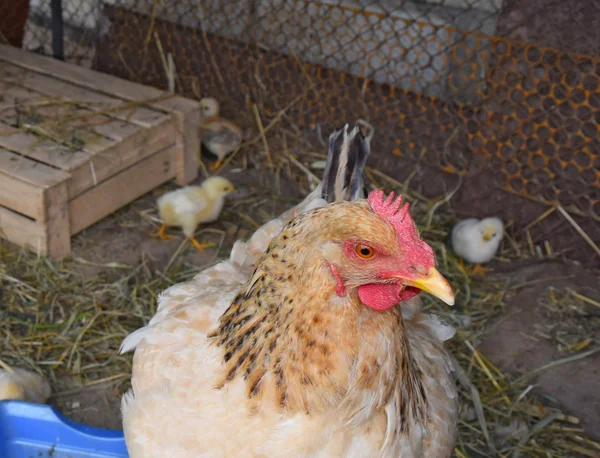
259	356
220	136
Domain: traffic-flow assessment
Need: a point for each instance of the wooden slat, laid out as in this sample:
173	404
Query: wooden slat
21	197
94	80
11	96
22	231
109	127
30	171
122	155
50	86
188	145
23	182
40	105
118	130
13	93
97	133
56	221
121	189
47	151
89	169
186	111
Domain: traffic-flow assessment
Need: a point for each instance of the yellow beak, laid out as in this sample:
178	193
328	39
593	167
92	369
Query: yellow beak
435	284
488	233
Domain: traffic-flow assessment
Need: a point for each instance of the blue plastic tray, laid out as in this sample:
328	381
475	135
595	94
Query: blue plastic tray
36	431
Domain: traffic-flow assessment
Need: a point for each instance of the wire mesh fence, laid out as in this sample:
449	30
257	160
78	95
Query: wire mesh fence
33	25
505	89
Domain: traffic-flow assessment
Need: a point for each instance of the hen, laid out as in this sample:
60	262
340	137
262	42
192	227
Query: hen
295	346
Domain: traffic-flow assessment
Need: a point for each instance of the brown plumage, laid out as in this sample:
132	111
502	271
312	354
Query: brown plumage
295	346
300	340
219	135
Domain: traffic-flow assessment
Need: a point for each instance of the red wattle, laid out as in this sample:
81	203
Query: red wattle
382	297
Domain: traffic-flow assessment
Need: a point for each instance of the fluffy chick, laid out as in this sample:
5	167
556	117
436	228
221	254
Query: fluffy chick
23	385
219	135
477	241
189	206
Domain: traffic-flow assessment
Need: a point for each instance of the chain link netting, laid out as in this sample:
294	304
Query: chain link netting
444	82
28	24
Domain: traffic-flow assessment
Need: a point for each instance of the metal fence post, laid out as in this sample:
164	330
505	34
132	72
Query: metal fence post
58	51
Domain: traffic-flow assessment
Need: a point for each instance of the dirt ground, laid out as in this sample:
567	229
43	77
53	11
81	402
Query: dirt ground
525	337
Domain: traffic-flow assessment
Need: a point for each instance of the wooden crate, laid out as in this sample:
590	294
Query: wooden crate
77	145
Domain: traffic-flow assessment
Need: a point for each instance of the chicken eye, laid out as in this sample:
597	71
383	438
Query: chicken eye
364	251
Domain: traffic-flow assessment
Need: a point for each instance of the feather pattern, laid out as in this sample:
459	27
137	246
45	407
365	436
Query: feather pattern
258	357
220	136
343	176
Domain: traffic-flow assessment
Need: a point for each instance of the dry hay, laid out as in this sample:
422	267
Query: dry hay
66	122
55	320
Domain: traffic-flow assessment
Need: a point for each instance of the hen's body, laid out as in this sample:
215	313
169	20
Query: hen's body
270	361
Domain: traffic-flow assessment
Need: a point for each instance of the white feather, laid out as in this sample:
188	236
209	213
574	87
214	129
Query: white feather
182	201
468	239
174	410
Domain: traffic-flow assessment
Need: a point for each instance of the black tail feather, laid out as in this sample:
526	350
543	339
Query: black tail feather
346	158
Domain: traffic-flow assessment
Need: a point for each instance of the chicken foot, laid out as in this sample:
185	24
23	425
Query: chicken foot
162	233
473	270
216	165
200	246
478	270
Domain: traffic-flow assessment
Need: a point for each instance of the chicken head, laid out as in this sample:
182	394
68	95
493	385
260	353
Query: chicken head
377	250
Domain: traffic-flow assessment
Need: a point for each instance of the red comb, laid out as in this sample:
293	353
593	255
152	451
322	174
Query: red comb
391	210
416	251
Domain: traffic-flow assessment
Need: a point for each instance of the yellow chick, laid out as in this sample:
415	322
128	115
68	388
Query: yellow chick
219	135
189	206
23	385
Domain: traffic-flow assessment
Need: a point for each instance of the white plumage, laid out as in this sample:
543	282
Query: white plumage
229	275
477	241
179	405
172	411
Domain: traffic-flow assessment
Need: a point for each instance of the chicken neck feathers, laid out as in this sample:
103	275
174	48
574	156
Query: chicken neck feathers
257	356
245	255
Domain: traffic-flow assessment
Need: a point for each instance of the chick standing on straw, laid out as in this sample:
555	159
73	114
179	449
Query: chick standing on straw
192	205
219	135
